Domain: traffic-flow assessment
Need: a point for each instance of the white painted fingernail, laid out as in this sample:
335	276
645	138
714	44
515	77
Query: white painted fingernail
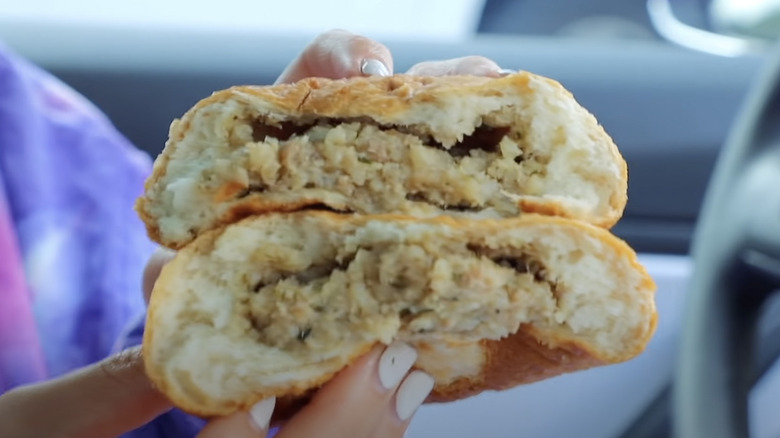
506	72
412	394
374	67
395	362
261	413
163	251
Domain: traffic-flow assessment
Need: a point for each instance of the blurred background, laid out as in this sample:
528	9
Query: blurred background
665	77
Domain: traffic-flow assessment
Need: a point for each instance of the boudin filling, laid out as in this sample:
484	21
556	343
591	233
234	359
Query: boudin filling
382	168
463	292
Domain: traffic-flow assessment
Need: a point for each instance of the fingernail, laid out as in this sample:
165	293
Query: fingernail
506	72
395	362
374	67
164	253
412	394
261	413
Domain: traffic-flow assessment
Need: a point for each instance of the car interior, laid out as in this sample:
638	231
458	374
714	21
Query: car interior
689	91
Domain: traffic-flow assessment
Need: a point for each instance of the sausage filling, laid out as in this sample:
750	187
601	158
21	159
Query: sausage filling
465	294
373	168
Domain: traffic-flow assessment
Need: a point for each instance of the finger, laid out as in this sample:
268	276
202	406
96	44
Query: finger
355	401
338	54
153	268
103	400
468	65
252	424
410	395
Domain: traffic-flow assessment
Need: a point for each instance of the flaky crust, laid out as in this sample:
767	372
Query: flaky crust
398	100
529	355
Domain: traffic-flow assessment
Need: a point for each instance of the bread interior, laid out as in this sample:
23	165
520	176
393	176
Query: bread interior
498	158
275	294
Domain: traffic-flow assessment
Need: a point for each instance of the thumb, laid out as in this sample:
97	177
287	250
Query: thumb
152	270
106	399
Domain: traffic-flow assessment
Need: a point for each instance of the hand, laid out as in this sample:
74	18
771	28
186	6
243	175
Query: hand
375	397
102	400
339	54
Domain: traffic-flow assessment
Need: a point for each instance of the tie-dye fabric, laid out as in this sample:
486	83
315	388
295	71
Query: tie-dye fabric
72	250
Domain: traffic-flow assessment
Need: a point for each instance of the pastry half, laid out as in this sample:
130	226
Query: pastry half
275	305
421	146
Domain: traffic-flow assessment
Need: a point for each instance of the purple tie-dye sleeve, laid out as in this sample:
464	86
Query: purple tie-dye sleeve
21	357
72	249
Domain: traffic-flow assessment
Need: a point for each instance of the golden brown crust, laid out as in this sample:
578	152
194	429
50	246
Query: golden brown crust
517	360
386	100
527	356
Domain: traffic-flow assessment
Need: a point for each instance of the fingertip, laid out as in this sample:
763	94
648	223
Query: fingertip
410	396
468	65
394	363
412	393
374	67
261	413
164	253
363	56
478	66
339	54
153	268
